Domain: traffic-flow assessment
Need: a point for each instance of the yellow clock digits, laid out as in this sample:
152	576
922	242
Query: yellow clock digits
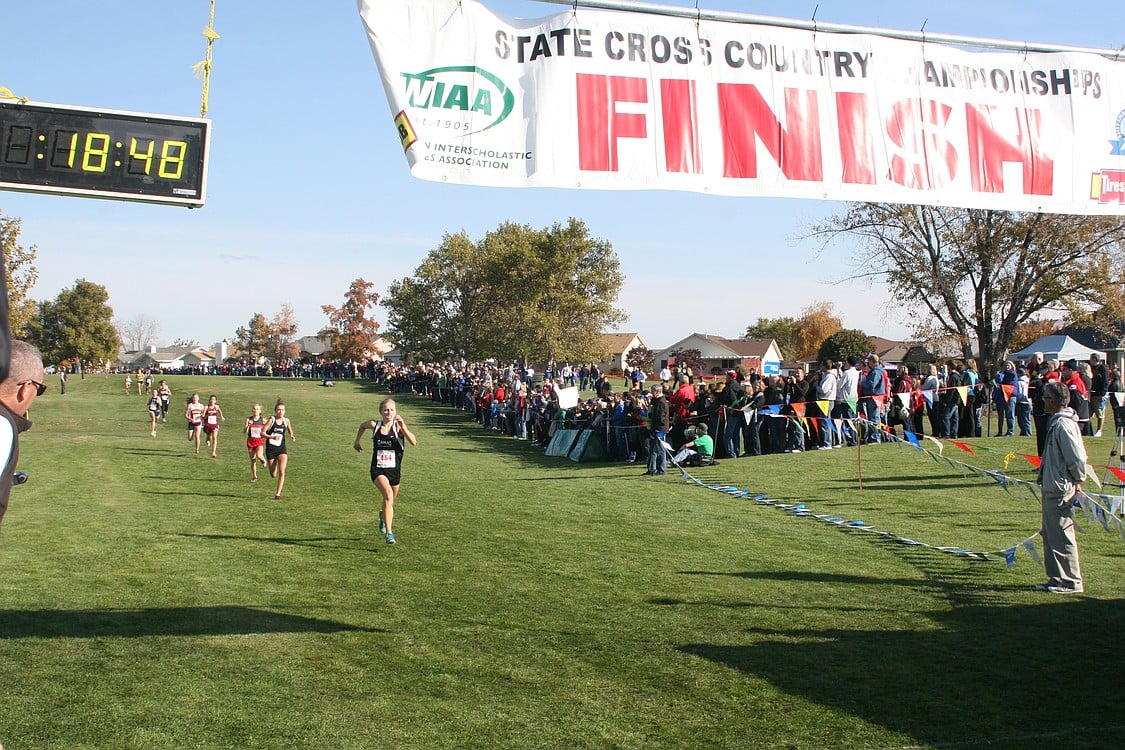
145	155
172	155
95	157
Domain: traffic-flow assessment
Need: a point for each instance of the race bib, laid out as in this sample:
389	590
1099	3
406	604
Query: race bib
212	419
384	459
276	439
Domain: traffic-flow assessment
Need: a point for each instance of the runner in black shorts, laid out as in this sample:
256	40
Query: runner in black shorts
276	454
389	432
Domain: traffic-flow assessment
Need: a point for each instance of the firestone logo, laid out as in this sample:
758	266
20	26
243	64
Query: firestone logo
1108	186
461	88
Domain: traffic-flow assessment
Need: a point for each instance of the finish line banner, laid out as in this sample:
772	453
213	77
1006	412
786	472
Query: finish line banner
630	101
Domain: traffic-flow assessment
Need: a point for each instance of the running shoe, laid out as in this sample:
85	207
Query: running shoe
390	538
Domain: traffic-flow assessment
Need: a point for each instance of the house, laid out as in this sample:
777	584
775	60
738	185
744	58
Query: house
618	346
720	354
316	347
159	358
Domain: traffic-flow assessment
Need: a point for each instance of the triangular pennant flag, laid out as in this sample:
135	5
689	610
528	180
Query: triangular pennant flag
1035	461
1120	528
928	395
1099	513
853	403
825	407
1093	476
1009	557
963	392
912	438
1115	506
1119	398
1029	545
903	400
938	443
963	446
1008	390
772	409
798	408
1119	473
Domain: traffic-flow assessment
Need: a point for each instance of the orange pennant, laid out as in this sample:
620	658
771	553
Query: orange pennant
1008	390
1035	460
1119	473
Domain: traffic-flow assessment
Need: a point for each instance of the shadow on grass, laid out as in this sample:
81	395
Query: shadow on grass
992	672
319	542
137	623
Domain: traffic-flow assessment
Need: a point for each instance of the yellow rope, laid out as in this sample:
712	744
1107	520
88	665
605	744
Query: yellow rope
6	93
203	68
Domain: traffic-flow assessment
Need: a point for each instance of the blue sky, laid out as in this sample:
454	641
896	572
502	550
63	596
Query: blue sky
308	188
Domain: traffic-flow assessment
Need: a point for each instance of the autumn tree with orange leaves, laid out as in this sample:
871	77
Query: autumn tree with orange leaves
350	331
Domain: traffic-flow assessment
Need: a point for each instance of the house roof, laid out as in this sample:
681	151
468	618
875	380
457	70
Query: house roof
741	347
616	343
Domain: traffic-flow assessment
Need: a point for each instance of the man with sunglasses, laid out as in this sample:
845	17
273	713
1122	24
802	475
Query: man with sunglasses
23	384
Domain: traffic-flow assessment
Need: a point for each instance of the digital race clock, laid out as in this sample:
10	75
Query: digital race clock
131	156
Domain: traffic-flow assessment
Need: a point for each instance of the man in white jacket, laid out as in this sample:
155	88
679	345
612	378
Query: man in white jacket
1061	474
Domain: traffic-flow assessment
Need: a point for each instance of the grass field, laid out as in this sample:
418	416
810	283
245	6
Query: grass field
151	598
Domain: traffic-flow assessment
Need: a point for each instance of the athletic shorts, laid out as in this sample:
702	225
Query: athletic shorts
210	429
394	476
255	443
273	451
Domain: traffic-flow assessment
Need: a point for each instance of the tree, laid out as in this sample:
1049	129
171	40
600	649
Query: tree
186	343
818	321
640	356
21	275
282	328
77	324
519	293
845	343
782	330
976	275
349	331
689	358
1031	331
138	332
433	314
252	338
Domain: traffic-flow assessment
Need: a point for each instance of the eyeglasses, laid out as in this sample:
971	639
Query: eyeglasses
40	388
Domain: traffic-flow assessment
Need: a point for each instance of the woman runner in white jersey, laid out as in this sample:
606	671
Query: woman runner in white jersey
255	440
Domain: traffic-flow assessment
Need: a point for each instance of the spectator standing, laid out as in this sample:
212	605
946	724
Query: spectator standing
873	393
731	399
826	389
1023	401
1061	474
847	398
18	391
1099	385
658	422
1079	395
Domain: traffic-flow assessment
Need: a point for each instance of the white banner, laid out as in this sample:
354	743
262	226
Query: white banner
630	101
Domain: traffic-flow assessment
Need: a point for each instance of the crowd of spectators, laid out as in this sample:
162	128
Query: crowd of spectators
749	414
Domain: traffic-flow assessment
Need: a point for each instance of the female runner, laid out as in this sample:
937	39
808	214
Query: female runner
277	456
386	462
212	415
153	411
165	393
255	440
194	416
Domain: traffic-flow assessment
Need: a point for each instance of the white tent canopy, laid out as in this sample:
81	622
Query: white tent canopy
1056	346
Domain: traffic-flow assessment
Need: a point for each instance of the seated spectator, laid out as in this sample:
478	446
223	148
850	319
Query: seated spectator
699	448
